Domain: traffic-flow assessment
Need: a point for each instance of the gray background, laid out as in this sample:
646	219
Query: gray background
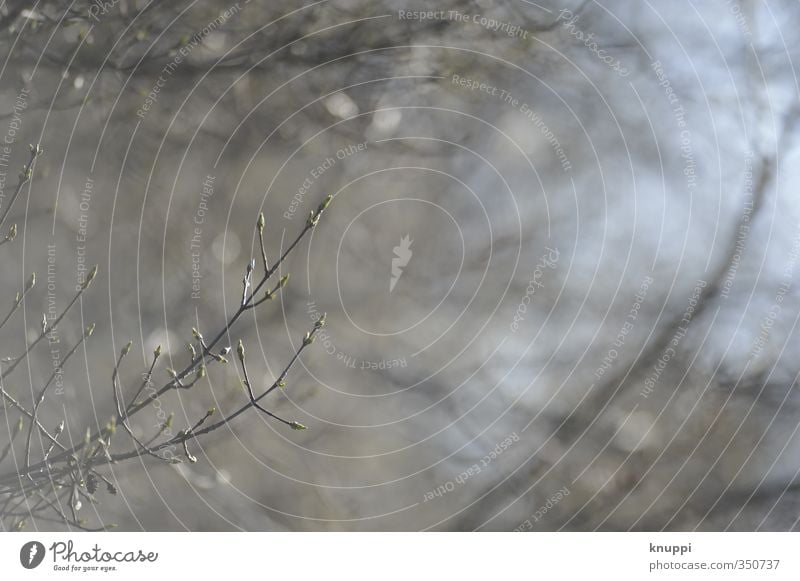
273	91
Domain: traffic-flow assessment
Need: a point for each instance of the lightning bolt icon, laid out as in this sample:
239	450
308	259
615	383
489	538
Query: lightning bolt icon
34	551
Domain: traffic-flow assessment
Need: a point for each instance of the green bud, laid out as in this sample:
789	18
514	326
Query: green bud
89	278
325	203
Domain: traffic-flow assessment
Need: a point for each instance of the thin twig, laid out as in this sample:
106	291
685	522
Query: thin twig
7	449
252	396
24	178
49	328
147	378
40	398
118	406
18	300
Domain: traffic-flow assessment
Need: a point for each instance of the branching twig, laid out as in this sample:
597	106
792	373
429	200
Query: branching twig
121	417
51	327
70	475
43	392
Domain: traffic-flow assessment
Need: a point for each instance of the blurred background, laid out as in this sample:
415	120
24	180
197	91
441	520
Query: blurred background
558	269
